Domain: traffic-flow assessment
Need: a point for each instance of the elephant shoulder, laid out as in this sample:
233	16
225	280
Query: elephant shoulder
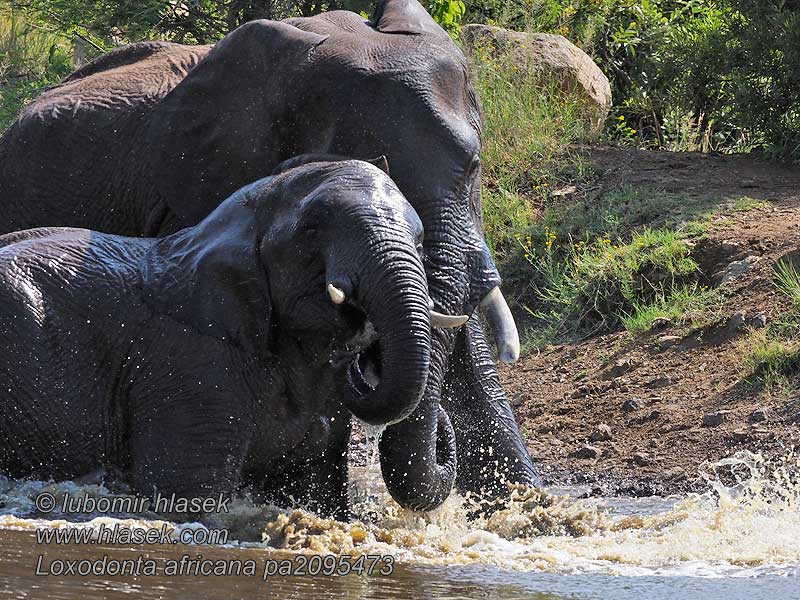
116	83
126	56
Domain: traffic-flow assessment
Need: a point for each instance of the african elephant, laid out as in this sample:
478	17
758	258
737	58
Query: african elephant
232	352
149	138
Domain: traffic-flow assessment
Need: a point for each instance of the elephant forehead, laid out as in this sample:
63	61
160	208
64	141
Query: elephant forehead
373	199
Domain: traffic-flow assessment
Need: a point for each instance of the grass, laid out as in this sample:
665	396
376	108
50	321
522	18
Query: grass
602	285
530	128
31	58
615	260
772	355
787	280
683	305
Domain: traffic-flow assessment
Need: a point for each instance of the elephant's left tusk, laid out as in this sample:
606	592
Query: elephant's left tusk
441	321
502	322
337	295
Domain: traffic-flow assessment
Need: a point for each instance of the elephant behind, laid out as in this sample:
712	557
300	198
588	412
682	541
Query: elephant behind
230	353
150	138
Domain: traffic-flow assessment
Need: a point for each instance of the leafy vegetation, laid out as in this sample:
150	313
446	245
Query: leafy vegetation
529	129
601	285
31	58
686	74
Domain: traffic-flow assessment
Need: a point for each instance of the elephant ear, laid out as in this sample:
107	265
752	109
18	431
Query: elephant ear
209	277
221	126
404	16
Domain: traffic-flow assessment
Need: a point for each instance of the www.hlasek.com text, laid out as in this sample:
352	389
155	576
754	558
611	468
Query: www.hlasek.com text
126	534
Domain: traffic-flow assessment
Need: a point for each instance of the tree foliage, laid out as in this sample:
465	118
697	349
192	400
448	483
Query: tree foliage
686	74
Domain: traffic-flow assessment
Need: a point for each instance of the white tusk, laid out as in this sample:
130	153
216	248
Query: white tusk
441	321
337	295
502	322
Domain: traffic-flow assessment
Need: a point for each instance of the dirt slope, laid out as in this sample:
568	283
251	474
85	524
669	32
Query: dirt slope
654	391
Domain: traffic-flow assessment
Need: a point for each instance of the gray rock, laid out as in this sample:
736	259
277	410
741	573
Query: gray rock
660	323
632	405
587	452
620	368
759	415
736	322
668	341
602	433
715	419
738	268
551	58
640	458
659	382
582	391
739	436
758	322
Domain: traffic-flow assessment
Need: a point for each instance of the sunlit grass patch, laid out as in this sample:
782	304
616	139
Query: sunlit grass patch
787	280
601	284
771	356
746	204
684	305
769	359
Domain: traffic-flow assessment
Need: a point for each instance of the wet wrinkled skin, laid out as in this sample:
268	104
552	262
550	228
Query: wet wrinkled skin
214	357
150	138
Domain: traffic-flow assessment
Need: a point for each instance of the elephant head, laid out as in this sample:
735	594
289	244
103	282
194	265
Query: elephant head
327	254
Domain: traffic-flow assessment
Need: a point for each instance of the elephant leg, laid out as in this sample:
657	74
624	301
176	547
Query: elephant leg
491	451
314	475
189	447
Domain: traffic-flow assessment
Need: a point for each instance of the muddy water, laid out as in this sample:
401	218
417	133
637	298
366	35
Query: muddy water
740	539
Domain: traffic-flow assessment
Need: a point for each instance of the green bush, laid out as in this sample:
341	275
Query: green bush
686	74
601	284
30	60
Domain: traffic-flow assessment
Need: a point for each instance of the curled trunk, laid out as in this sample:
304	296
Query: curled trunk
418	458
393	294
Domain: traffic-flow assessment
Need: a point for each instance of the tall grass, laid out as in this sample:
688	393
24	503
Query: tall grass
771	356
603	285
530	126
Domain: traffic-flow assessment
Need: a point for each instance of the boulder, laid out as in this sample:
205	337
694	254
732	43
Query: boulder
551	57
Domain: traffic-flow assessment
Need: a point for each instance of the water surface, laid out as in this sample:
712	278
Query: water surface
740	540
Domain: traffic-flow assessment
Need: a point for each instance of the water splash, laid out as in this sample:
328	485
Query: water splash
747	523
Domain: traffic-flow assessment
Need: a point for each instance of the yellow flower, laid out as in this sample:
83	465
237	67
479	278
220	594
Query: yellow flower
621	118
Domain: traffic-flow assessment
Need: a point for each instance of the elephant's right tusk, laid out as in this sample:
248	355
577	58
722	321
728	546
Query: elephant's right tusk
337	295
441	321
502	322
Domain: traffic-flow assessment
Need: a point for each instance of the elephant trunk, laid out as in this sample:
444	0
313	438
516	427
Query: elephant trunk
387	380
418	458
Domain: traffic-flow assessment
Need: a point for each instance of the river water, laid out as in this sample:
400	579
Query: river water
740	539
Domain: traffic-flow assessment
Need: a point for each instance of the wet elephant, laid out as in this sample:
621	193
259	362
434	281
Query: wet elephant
230	353
150	138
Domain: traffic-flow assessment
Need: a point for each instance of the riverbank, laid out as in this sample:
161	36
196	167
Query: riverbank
639	413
